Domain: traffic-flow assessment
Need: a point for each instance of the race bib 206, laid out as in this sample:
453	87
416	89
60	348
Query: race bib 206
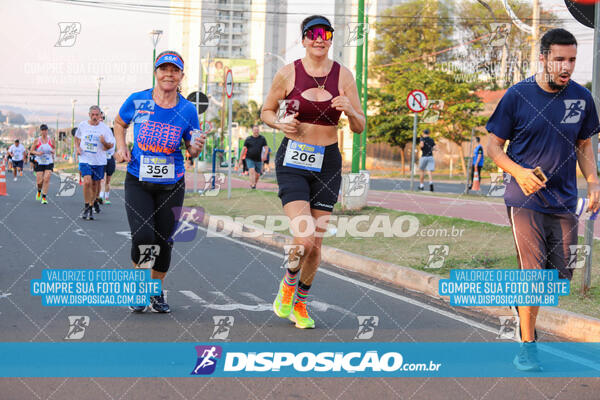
304	156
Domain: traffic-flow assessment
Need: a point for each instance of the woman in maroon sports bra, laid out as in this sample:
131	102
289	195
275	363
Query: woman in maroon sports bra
305	102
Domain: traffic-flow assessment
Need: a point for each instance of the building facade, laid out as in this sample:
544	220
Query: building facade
245	35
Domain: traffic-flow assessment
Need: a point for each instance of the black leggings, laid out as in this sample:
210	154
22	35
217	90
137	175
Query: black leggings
151	219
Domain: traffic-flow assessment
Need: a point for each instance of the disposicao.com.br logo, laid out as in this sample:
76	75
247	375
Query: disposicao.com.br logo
310	363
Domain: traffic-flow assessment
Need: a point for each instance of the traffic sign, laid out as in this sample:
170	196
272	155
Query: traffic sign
206	127
200	100
417	101
583	12
229	83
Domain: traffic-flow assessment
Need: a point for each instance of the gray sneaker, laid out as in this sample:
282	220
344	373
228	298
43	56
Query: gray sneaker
527	359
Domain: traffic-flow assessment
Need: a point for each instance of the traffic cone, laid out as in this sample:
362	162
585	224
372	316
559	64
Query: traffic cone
476	181
80	181
3	180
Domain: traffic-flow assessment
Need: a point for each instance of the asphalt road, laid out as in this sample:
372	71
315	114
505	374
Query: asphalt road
221	277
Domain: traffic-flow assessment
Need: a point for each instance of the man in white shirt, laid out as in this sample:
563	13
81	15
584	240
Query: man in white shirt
17	152
92	140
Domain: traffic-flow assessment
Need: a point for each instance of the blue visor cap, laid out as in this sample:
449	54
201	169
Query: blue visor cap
170	58
318	21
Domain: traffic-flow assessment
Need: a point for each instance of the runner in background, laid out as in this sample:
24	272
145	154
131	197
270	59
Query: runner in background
17	152
43	150
109	170
426	162
92	139
104	197
32	162
477	162
254	154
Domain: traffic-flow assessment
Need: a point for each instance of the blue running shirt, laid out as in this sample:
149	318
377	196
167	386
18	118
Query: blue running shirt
157	130
543	129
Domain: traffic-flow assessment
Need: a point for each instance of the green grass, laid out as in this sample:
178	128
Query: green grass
473	244
117	180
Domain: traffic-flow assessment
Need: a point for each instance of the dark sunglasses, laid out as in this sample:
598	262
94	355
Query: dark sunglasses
314	33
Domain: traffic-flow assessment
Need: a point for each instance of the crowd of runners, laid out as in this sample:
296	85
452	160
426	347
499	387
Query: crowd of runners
548	119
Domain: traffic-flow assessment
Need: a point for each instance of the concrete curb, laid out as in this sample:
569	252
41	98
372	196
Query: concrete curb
562	323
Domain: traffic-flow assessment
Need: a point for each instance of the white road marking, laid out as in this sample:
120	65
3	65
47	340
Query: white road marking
80	232
254	297
127	234
225	307
320	306
261	305
193	296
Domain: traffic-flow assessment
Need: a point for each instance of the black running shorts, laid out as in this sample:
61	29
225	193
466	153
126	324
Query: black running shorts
41	167
320	189
110	166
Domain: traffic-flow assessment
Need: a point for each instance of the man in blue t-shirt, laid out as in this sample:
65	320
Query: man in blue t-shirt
549	120
478	160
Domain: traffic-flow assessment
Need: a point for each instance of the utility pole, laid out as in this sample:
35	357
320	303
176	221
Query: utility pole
57	142
586	283
363	159
73	101
155	38
100	78
535	26
359	81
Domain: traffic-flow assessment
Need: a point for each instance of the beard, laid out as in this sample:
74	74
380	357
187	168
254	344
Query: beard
553	85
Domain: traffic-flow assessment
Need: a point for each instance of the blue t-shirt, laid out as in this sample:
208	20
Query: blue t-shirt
543	129
478	155
157	130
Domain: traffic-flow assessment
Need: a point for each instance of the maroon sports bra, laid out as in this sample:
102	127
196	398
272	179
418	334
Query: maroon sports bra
314	112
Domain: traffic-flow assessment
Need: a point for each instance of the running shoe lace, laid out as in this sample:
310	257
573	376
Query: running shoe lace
300	308
288	293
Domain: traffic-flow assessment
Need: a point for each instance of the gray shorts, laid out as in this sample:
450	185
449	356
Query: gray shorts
545	241
427	163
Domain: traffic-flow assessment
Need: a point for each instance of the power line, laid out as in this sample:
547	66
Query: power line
198	12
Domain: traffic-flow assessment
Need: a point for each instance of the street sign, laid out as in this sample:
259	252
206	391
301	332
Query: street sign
200	100
582	12
229	83
417	101
206	126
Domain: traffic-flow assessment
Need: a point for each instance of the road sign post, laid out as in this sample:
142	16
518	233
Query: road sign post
417	102
199	100
585	14
229	90
589	224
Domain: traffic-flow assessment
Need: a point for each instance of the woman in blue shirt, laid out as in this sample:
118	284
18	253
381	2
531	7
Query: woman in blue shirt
155	182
